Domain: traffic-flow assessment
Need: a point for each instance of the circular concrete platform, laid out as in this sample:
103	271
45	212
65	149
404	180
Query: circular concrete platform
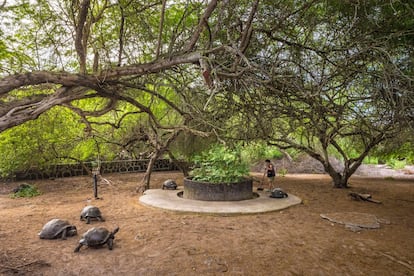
169	200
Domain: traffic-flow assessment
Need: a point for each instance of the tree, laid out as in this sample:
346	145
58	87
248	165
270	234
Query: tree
86	67
326	78
88	22
312	75
116	53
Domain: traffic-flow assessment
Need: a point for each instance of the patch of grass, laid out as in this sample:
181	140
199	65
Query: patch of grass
282	172
25	190
397	164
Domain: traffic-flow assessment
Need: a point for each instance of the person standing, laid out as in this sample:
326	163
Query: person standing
270	172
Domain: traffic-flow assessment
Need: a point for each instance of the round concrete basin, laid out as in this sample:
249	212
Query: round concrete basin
208	191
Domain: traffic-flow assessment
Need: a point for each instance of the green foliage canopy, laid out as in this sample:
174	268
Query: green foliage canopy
315	76
220	164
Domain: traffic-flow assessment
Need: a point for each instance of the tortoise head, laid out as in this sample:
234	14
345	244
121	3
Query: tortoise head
115	231
72	231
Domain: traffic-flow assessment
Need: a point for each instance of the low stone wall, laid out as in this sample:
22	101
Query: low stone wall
69	170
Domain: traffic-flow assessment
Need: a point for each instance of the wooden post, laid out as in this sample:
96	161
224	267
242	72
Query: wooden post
95	185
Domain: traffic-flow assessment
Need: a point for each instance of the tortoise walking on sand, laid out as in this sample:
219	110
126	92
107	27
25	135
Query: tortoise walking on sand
91	212
57	228
97	237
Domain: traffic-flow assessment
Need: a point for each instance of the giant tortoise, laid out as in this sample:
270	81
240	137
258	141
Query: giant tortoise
278	193
97	237
91	212
169	184
57	228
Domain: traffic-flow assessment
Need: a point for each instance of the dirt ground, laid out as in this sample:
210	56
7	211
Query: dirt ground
294	241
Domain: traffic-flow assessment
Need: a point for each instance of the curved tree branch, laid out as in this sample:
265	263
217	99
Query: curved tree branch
79	38
203	21
247	33
21	114
161	27
12	82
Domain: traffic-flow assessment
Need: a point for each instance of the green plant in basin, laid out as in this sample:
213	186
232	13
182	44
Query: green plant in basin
220	164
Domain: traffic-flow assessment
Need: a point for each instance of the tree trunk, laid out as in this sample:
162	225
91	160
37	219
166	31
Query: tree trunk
339	180
183	166
145	183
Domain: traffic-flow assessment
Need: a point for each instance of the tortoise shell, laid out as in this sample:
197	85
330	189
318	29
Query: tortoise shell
96	237
169	185
57	228
91	212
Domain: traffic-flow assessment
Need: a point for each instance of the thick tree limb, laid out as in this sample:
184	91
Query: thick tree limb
203	21
121	35
21	114
160	30
79	38
12	82
247	33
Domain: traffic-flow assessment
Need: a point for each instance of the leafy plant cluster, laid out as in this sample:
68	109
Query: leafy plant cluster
282	172
260	151
220	164
25	190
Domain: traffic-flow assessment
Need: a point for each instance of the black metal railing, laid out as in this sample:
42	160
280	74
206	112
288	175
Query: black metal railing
105	167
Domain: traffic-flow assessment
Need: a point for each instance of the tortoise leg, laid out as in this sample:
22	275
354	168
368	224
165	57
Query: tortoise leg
110	243
64	233
101	219
88	220
78	248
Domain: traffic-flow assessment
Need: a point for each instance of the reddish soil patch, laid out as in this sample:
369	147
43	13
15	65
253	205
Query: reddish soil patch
295	241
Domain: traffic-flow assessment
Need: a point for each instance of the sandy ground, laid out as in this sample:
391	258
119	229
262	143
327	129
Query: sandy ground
294	241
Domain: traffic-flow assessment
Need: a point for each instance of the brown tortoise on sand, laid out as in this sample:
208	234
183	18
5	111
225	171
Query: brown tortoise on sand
97	237
91	212
57	228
